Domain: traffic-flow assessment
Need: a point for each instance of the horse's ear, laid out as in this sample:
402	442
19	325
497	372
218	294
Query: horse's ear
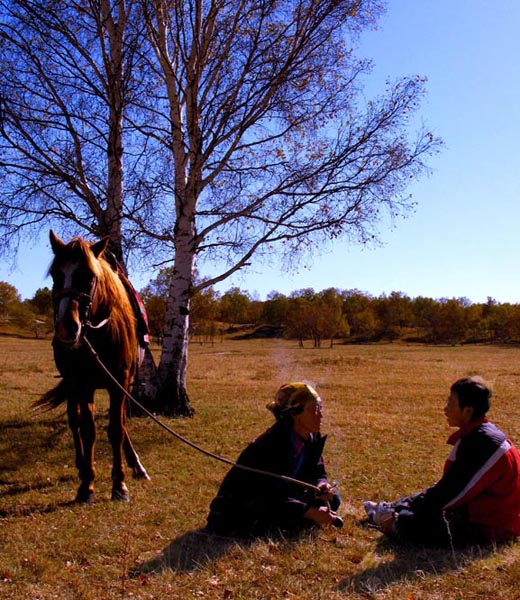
56	243
99	247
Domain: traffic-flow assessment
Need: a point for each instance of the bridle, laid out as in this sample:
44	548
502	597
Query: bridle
85	301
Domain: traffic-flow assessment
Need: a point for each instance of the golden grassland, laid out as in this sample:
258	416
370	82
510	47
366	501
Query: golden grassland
383	413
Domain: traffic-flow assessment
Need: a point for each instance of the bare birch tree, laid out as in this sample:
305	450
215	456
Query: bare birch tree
273	149
67	75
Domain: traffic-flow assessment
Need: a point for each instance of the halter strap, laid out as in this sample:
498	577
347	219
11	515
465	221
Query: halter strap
98	326
86	299
72	293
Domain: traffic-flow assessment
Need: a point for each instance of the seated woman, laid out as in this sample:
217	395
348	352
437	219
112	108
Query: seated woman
250	503
477	500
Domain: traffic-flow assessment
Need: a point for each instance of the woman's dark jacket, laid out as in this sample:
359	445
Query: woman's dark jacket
251	503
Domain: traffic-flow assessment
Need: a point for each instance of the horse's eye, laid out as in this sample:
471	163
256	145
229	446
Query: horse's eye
83	277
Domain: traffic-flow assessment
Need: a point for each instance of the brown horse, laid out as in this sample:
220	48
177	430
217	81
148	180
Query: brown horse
92	308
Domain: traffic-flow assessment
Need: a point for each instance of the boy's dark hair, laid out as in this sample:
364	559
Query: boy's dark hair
474	392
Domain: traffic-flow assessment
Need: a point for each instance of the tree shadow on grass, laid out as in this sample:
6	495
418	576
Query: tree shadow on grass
25	443
188	552
411	562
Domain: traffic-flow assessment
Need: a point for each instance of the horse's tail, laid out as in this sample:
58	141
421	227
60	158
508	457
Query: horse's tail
53	398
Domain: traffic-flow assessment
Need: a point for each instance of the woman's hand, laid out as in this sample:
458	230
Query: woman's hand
326	491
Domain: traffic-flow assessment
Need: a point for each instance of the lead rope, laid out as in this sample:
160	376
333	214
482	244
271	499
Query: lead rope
184	440
450	537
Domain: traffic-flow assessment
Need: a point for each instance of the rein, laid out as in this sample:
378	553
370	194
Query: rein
184	440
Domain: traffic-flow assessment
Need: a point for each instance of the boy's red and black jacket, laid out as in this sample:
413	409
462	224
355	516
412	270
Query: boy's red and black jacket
481	476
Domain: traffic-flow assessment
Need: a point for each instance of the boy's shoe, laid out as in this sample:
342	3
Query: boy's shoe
370	509
378	513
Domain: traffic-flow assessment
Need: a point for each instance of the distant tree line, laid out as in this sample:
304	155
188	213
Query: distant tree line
347	315
304	315
34	315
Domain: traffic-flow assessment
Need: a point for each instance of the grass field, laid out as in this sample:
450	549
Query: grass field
383	413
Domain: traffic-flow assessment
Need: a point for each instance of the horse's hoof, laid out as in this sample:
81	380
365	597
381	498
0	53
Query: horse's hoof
120	496
85	496
140	474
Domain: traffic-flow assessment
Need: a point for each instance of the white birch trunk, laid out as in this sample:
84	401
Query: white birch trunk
114	56
172	395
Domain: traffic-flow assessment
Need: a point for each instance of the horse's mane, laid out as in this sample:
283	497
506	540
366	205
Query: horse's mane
78	249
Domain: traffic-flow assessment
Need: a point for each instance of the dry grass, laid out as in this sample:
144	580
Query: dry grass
387	436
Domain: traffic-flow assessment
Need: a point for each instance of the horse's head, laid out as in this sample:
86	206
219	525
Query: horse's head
75	272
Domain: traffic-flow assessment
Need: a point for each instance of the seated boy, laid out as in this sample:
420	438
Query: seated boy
477	499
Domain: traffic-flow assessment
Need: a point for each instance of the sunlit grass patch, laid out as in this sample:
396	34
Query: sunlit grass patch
386	437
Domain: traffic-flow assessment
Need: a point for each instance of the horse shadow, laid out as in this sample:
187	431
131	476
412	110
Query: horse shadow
411	561
188	552
32	510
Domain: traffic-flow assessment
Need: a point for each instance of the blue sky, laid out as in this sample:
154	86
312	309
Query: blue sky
462	239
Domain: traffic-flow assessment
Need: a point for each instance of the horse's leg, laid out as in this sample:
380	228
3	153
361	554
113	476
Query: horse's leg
81	423
116	436
132	458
